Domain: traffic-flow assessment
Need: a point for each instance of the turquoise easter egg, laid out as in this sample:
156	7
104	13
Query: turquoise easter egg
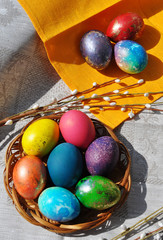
97	192
58	204
130	56
65	165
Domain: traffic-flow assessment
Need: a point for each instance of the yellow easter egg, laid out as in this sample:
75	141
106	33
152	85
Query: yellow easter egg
40	137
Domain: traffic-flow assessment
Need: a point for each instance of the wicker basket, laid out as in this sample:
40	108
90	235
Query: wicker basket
88	218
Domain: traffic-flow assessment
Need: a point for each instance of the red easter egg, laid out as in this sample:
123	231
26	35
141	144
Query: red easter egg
29	176
128	26
77	128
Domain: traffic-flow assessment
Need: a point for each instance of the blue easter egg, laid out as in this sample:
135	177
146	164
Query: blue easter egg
58	204
130	56
65	165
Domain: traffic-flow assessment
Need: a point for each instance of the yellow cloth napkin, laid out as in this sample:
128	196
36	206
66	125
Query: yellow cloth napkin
61	24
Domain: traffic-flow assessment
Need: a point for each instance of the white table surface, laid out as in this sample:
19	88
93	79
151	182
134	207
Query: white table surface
27	77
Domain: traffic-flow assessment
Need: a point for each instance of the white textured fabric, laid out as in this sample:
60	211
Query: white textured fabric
26	78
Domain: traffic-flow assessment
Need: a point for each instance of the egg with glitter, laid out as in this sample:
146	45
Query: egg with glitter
96	49
130	56
102	156
65	165
58	204
29	176
97	192
127	26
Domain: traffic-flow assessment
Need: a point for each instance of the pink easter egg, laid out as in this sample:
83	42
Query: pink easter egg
77	128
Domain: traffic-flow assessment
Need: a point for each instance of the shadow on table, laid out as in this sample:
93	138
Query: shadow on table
25	77
135	204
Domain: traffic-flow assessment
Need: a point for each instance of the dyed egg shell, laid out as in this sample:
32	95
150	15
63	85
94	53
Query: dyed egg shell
58	204
40	137
96	49
29	177
130	56
97	192
65	165
128	26
102	156
77	128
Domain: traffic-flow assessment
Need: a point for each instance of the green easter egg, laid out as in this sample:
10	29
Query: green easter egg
97	192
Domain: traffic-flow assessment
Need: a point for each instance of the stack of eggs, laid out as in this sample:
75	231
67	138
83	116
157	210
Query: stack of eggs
131	57
68	160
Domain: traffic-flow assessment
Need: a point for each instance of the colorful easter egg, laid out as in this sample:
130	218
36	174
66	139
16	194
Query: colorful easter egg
65	165
96	49
40	137
29	176
97	192
128	26
102	156
130	56
77	128
58	204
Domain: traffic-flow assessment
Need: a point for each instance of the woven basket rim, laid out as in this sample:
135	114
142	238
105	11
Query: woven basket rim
29	210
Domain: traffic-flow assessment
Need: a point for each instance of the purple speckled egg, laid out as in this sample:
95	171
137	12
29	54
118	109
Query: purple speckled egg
102	156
